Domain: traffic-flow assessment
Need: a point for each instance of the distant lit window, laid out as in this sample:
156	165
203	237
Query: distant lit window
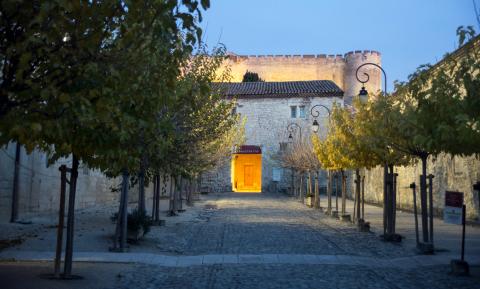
301	111
293	111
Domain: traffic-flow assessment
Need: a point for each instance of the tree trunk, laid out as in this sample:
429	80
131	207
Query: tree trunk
141	189
179	195
293	182
329	192
317	193
156	198
153	197
172	196
310	183
337	181
71	218
190	193
301	187
15	197
120	237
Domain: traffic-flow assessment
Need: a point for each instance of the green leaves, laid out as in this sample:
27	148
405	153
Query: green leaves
97	79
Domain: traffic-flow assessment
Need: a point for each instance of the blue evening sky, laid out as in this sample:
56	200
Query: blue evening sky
407	32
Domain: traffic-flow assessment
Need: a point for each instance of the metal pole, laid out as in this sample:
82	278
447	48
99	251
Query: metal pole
124	210
413	187
363	197
344	193
394	193
329	192
430	196
386	216
385	201
464	209
71	218
355	201
357	196
157	198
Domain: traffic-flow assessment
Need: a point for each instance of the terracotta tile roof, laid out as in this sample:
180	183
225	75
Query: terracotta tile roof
248	149
310	88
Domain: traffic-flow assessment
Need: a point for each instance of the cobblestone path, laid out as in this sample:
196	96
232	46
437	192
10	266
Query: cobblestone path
259	224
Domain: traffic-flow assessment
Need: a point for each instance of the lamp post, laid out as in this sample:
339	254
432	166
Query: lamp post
291	129
389	194
314	112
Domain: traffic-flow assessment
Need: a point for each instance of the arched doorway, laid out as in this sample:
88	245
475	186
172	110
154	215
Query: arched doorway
247	169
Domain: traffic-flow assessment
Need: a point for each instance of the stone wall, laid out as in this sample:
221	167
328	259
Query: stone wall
217	180
338	68
39	186
451	174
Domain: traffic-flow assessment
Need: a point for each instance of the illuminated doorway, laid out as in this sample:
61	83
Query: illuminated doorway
247	169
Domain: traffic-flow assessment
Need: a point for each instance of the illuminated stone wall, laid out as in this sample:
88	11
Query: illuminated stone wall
337	68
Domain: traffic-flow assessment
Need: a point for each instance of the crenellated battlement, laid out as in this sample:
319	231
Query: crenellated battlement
335	57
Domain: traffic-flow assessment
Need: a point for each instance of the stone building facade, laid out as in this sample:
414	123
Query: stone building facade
268	107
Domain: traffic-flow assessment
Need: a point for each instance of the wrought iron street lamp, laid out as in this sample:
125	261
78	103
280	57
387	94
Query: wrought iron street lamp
292	128
389	210
363	91
314	112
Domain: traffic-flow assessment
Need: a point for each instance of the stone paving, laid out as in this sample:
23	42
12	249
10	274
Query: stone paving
264	241
269	224
290	276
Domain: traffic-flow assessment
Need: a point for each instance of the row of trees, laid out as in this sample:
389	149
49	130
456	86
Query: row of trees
113	84
436	111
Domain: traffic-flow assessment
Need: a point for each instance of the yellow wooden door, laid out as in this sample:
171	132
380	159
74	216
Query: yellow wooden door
248	175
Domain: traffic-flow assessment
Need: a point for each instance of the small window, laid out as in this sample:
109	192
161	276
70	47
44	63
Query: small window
293	111
301	111
283	146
